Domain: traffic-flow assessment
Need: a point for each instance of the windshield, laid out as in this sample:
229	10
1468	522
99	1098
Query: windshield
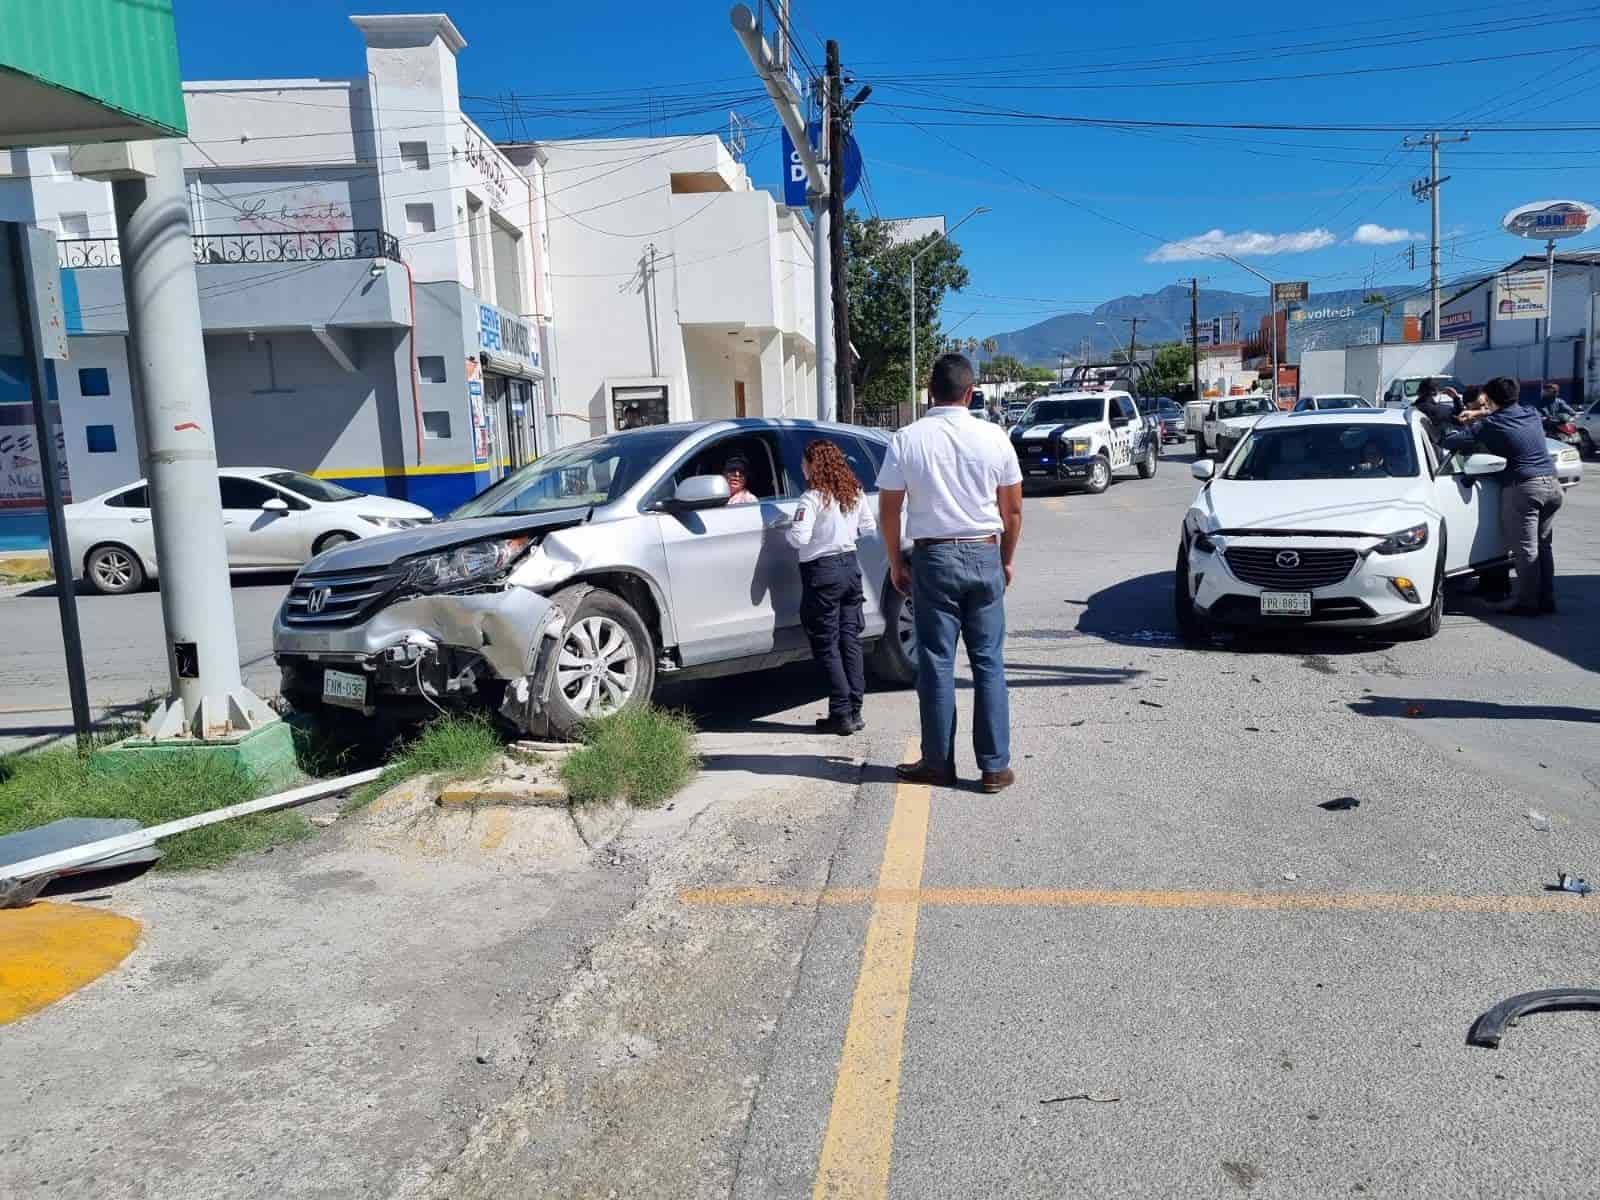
1169	409
1330	403
1052	412
1366	451
311	489
589	473
1245	406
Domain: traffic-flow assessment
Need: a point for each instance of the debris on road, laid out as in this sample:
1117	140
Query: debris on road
1414	710
1341	804
1290	876
1488	1029
1574	883
1091	1097
1151	704
1540	822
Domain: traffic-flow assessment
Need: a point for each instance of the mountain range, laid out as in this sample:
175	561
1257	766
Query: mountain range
1163	317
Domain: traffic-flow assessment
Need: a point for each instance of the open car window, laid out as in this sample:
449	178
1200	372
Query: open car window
764	477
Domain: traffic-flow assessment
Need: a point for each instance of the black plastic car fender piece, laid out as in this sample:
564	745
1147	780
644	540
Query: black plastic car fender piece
1488	1029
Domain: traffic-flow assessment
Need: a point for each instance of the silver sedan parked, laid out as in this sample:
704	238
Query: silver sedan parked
569	588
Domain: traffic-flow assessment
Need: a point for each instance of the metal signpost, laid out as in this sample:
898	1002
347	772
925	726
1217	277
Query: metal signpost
31	313
1550	220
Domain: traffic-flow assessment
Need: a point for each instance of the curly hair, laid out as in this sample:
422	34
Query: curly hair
831	474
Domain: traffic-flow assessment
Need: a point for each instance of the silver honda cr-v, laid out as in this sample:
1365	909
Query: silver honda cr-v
571	587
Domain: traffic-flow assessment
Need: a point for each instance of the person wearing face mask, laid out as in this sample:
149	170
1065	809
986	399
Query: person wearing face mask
831	515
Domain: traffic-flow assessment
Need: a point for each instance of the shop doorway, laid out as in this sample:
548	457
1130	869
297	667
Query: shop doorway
738	398
513	438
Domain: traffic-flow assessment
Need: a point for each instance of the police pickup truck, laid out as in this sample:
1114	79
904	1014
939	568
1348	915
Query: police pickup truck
1080	438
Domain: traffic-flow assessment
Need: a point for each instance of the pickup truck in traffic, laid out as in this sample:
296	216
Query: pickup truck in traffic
1083	438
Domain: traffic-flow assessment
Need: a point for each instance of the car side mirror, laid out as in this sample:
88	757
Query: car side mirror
699	492
1484	464
276	505
1204	469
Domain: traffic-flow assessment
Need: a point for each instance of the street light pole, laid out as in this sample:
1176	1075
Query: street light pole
1272	306
942	235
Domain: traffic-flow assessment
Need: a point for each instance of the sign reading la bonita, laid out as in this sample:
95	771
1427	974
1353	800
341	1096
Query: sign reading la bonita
1551	219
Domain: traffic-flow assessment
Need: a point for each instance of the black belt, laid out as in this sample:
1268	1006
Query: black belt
989	540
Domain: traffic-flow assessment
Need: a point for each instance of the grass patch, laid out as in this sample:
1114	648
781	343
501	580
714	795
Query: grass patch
48	785
642	755
450	747
25	569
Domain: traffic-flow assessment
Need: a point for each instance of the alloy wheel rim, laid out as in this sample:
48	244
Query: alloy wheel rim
114	570
598	667
905	627
1099	473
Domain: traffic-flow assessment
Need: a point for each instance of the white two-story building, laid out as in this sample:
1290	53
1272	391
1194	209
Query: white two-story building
685	291
373	278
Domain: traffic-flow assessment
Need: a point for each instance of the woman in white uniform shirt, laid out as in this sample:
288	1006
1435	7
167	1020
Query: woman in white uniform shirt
831	515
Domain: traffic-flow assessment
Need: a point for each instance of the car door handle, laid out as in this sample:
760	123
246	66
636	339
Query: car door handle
139	520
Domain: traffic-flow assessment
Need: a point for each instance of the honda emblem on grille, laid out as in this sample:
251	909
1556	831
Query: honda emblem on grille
1287	559
318	599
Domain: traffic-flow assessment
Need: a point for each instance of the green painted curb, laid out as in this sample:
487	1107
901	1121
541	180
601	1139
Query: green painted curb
266	755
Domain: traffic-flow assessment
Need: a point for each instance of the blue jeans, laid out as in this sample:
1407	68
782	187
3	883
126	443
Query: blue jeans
958	589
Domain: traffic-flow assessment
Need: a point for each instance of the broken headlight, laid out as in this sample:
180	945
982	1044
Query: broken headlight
476	562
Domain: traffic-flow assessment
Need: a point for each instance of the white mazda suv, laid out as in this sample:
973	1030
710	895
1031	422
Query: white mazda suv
1347	519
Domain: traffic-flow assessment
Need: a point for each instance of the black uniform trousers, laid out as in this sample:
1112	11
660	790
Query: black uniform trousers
830	610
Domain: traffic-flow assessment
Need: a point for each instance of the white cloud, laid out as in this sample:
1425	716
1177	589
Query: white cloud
1246	243
1378	235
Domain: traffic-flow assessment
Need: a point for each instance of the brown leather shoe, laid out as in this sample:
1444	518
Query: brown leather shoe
923	772
997	781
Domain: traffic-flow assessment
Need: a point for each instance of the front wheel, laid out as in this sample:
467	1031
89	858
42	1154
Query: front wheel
1149	463
1099	475
605	663
1433	620
329	540
894	658
1191	627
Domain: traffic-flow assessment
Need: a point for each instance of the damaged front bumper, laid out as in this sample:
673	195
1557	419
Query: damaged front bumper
432	652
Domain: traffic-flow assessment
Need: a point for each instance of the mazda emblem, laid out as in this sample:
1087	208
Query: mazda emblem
318	599
1288	559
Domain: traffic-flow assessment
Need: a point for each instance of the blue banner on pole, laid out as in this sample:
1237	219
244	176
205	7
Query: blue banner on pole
794	171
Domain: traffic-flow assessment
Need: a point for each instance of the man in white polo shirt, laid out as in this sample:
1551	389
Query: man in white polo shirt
956	482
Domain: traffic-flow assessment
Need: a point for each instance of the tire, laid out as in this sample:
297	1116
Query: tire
894	659
1191	626
1099	476
1199	444
1431	621
1149	463
329	540
606	661
1586	446
114	570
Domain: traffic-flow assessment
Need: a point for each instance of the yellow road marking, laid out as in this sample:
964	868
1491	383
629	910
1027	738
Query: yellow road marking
859	1143
914	897
48	951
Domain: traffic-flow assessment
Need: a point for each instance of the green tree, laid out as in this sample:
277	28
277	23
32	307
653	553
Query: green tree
879	273
1173	369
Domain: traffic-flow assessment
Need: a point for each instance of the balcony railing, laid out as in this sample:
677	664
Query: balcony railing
321	245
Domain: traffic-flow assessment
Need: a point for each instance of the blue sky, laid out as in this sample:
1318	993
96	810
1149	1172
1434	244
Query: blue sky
1080	214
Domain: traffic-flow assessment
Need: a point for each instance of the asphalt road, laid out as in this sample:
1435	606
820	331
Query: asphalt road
123	649
1276	995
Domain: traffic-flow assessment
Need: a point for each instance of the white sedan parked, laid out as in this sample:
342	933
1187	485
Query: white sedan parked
273	519
1345	519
